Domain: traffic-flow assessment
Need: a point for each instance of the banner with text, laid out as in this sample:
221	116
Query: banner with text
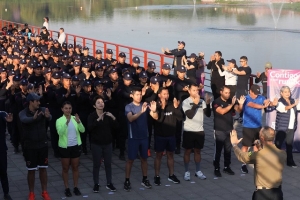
276	79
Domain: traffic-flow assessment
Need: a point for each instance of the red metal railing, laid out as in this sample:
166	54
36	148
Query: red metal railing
95	44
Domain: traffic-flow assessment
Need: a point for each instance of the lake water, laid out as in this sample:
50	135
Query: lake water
235	30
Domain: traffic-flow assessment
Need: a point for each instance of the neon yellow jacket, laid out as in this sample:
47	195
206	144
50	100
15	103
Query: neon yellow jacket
62	130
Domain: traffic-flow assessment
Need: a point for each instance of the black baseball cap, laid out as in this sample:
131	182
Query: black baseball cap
70	46
127	76
76	63
154	79
98	51
66	76
86	65
23	61
166	66
85	48
75	78
98	82
151	64
122	54
24	82
143	74
11	73
33	97
136	60
56	75
2	70
113	70
46	71
64	45
109	51
86	83
17	78
193	55
181	69
255	89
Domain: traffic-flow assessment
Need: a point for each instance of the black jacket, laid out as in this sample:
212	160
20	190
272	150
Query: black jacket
101	131
34	130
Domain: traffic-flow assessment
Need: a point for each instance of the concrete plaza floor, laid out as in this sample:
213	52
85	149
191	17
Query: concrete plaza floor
238	186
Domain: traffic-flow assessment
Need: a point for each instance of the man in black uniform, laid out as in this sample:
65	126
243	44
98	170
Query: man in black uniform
178	54
84	109
66	93
37	78
121	63
54	108
217	81
223	108
123	96
151	68
181	87
166	79
135	69
109	60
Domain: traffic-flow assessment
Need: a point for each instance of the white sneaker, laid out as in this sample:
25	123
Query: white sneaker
200	175
187	176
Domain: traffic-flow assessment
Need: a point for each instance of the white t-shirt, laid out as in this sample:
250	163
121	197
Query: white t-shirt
46	24
72	136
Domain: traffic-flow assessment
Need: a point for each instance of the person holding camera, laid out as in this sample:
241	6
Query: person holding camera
268	164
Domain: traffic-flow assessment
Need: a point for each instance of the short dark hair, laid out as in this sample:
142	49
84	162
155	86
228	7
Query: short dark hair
193	84
66	103
219	52
136	89
161	89
62	29
96	98
244	58
223	87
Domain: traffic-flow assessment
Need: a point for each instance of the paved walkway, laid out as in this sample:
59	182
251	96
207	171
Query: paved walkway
228	187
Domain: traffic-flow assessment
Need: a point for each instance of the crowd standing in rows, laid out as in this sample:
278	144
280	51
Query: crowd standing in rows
47	83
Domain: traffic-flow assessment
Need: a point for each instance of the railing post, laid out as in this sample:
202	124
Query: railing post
74	42
67	38
145	59
162	60
117	51
83	42
94	48
104	49
130	56
251	81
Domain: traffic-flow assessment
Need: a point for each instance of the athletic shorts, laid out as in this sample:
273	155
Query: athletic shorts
70	152
193	140
136	146
164	143
36	158
249	136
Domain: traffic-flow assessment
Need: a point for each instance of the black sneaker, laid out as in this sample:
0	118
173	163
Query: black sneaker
111	187
68	192
244	169
96	188
157	180
177	151
146	184
76	191
127	186
291	164
228	170
174	179
7	197
217	172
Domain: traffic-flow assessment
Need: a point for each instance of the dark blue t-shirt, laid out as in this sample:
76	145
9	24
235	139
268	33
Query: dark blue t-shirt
138	129
252	117
3	146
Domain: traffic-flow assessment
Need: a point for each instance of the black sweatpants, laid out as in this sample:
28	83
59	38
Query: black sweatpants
288	137
3	172
222	139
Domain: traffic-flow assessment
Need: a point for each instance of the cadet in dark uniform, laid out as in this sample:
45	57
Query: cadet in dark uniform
135	69
4	117
109	60
123	97
166	79
54	108
121	63
37	78
76	69
66	93
84	109
181	93
151	68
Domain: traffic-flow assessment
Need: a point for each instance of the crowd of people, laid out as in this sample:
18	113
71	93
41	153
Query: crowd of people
110	104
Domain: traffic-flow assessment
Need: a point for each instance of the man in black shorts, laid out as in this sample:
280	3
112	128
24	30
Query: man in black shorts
33	119
193	133
164	133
